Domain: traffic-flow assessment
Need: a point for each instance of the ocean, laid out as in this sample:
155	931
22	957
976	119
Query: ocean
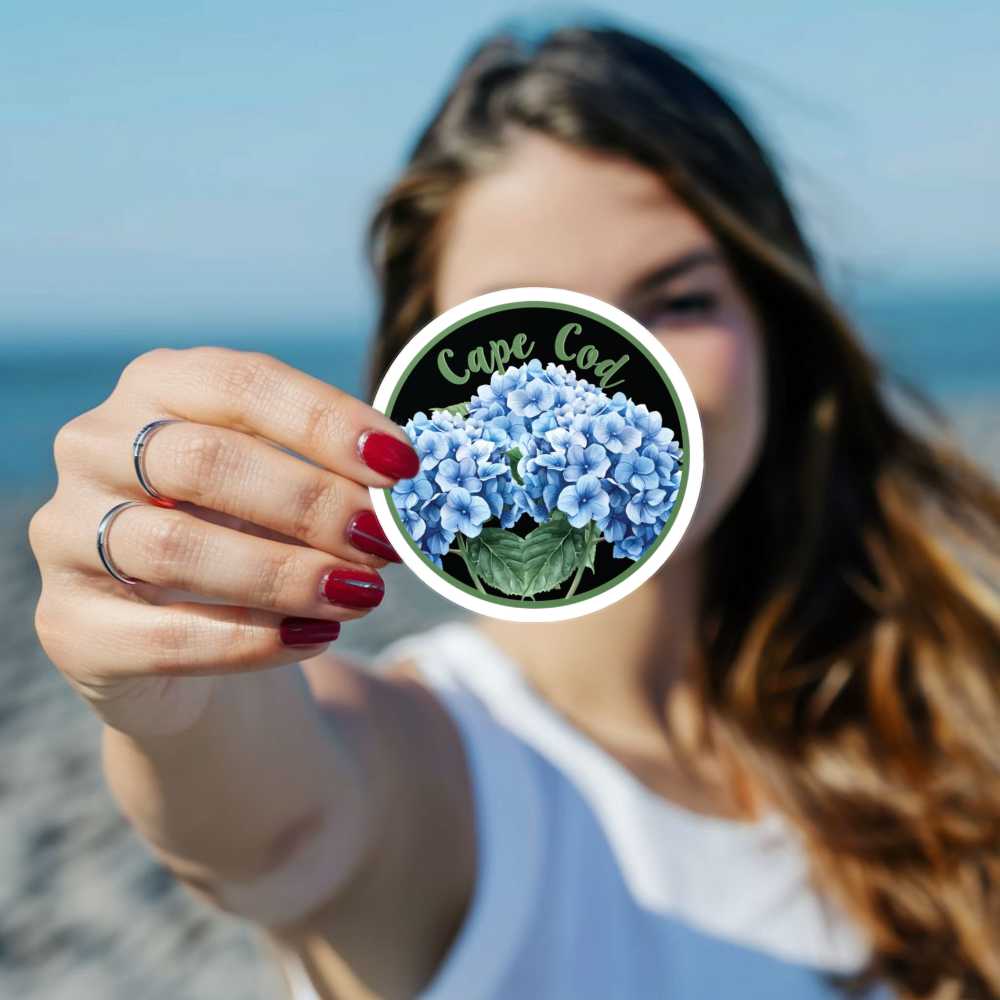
947	344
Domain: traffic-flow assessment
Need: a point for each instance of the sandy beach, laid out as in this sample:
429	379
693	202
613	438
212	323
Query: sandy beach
85	912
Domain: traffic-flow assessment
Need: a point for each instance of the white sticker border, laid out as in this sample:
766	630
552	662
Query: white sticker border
693	455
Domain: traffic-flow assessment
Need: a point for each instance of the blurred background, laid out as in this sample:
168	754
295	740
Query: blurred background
194	173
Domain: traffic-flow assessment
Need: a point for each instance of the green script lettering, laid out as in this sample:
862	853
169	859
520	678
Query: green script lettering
588	357
497	354
561	340
608	368
443	355
477	361
518	347
482	360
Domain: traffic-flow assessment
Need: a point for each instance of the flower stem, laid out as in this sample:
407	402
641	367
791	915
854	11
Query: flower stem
576	580
468	564
588	537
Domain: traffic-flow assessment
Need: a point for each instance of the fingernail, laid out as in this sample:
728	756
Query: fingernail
353	588
388	454
307	631
365	533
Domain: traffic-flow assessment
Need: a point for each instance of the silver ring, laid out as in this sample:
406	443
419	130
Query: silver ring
138	448
102	539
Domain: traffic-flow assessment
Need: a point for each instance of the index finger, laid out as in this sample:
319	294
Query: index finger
256	393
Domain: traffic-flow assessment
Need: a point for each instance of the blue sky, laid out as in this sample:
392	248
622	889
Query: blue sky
213	164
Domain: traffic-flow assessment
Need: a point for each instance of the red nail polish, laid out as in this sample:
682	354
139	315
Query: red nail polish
365	533
388	454
308	631
353	588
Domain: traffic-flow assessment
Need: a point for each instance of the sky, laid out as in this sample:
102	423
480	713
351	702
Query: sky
213	164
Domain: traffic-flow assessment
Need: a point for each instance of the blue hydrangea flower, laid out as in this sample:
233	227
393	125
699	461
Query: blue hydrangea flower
536	397
457	454
664	461
435	539
590	461
431	445
616	435
644	506
637	471
464	512
413	522
630	547
584	501
450	475
565	436
597	458
616	524
412	492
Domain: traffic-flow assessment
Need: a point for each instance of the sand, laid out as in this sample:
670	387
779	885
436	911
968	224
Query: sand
86	913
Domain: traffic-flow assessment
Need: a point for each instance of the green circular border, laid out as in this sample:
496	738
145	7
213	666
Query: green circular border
664	531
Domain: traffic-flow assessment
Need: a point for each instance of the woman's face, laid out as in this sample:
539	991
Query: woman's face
556	216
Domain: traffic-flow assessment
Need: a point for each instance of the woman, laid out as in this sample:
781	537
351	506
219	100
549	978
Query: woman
771	771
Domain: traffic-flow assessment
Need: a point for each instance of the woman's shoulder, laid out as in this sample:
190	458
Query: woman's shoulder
505	801
471	681
543	787
451	653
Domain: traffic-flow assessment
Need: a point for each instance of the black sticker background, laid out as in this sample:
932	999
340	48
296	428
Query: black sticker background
426	388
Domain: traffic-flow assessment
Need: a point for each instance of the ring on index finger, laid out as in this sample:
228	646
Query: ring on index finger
138	449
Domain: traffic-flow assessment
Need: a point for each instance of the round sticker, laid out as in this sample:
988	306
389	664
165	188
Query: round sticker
560	448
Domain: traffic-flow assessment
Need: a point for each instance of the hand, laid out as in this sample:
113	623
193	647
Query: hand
259	563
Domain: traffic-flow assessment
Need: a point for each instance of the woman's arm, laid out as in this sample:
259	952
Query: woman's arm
229	801
270	803
327	805
386	931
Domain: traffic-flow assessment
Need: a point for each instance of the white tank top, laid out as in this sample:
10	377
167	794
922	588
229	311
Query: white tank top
592	887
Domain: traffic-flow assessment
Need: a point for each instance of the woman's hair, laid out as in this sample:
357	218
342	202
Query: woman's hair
849	639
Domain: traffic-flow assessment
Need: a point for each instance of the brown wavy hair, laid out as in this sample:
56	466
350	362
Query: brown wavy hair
849	627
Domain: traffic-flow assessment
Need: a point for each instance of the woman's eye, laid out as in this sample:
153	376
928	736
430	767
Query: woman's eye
680	307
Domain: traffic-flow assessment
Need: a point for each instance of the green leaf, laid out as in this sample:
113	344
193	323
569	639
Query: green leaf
513	457
498	557
551	554
462	409
590	536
